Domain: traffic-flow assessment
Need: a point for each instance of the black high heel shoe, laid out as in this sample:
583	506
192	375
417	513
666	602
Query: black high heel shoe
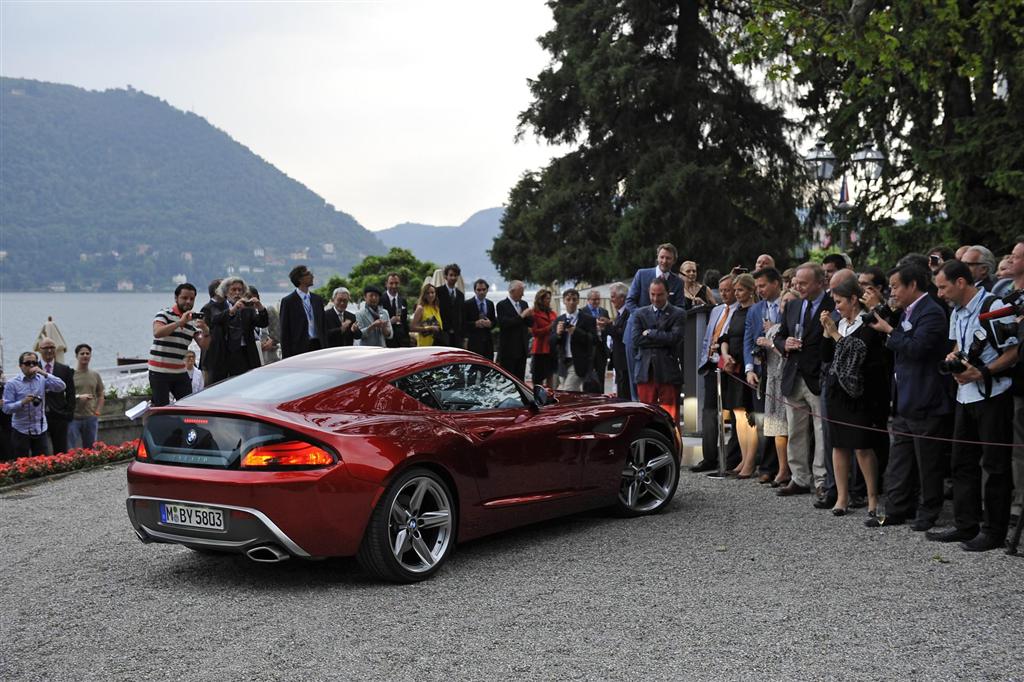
839	511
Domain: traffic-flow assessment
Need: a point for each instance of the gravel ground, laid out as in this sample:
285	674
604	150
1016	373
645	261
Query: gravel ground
730	583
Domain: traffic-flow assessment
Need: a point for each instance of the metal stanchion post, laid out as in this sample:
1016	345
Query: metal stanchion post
721	428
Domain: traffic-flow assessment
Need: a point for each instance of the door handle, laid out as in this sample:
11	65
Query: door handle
482	432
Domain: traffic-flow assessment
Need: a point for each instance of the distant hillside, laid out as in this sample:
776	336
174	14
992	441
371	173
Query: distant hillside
98	188
466	244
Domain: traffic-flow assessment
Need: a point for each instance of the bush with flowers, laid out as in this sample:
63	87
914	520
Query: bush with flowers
25	468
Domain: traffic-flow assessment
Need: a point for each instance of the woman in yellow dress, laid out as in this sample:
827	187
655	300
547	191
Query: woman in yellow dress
426	321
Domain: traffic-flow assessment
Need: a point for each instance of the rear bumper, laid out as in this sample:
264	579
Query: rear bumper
314	513
247	528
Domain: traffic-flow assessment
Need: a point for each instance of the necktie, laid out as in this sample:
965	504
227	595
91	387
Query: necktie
309	308
483	311
657	313
49	368
718	330
808	313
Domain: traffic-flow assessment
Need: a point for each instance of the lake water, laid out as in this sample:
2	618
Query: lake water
112	323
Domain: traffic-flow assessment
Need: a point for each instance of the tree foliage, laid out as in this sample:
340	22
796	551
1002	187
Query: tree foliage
670	144
938	85
375	269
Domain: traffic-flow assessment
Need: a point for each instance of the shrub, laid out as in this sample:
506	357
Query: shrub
25	468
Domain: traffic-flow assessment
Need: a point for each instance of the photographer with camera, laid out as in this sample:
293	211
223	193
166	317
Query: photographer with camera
234	349
174	329
25	401
984	414
922	403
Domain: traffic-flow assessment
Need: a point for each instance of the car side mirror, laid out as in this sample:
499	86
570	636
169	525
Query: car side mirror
541	396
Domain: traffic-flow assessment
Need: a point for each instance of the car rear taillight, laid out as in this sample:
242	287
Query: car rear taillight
141	453
287	455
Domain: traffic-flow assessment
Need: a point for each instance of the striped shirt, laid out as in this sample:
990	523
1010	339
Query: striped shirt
167	354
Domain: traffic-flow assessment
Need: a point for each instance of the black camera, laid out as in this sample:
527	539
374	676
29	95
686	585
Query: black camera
868	316
973	355
197	315
36	401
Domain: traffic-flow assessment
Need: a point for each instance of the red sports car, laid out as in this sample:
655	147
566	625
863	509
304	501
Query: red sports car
389	455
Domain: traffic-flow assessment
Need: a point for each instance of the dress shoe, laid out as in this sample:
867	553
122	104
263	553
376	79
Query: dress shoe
819	491
779	484
793	489
982	542
921	525
838	511
952	535
703	466
764	478
876	521
826	502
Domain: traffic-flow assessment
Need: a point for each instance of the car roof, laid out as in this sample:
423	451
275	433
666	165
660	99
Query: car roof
377	361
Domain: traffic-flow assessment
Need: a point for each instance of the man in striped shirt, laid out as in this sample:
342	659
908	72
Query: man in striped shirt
173	331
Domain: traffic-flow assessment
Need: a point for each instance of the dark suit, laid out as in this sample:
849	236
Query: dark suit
801	386
617	331
399	330
295	338
657	359
478	339
922	406
600	347
337	338
60	408
451	314
229	361
581	345
639	296
513	337
208	358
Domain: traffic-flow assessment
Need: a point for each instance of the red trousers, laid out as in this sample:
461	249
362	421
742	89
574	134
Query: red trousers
666	395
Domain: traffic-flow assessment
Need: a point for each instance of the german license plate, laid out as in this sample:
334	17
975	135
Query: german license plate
196	517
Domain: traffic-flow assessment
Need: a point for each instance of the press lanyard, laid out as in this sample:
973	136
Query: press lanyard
968	314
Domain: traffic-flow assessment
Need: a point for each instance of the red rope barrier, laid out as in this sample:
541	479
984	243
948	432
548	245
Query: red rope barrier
866	428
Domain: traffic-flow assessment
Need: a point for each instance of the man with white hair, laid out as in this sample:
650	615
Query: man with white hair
982	264
616	331
513	330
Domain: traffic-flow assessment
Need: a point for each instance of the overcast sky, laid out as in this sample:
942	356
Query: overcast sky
393	111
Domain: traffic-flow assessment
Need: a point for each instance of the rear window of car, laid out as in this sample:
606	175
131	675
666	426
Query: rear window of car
272	385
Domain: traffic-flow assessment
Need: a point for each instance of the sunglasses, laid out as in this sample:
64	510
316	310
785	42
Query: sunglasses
30	363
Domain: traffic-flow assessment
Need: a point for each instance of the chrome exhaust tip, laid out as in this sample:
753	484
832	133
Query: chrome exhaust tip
267	554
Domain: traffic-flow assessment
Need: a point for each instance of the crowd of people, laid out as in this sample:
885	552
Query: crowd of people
846	385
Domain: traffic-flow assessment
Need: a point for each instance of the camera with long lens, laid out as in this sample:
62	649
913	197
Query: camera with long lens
1001	319
972	356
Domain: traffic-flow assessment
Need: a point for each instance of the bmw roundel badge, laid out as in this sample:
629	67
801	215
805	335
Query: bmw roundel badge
191	437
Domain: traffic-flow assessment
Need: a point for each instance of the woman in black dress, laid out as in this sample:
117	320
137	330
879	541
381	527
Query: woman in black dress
856	389
737	395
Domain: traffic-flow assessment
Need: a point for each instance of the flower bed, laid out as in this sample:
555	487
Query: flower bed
25	468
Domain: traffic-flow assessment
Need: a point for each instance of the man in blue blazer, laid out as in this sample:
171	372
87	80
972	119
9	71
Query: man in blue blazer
639	296
922	404
657	333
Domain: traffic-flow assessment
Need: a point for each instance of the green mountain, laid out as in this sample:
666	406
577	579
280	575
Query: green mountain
466	244
98	188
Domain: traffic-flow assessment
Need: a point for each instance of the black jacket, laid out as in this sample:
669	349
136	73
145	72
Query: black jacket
218	323
399	330
582	342
478	339
61	404
805	362
451	313
513	331
295	326
336	338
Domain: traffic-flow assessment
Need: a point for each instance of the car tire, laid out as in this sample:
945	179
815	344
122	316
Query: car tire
650	475
411	532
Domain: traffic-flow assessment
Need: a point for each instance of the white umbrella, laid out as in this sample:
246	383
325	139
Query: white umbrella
50	331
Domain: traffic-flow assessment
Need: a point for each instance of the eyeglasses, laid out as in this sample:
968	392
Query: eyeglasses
30	363
971	265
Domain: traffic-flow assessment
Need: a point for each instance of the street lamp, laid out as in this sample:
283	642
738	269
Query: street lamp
868	162
821	161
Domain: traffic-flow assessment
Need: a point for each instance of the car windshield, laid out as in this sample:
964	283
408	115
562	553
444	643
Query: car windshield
272	385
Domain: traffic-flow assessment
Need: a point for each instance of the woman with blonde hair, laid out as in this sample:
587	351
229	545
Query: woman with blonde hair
694	293
736	394
426	321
